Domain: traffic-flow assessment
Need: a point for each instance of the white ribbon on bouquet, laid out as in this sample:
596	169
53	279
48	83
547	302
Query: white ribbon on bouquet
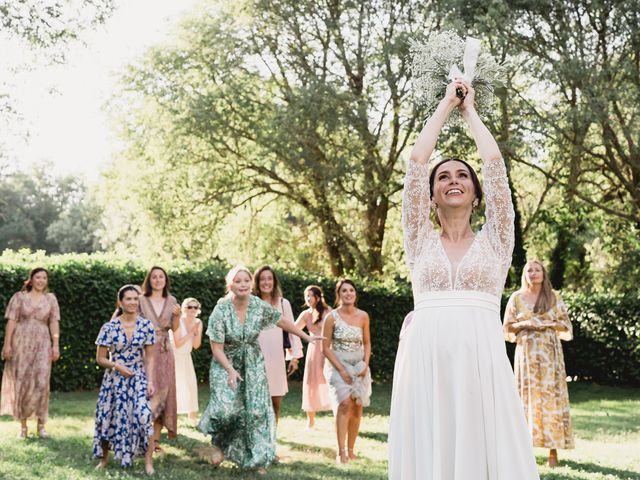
470	59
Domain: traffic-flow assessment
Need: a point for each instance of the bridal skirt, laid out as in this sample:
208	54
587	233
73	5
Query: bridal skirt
455	411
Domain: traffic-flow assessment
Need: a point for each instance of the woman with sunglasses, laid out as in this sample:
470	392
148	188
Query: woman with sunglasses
186	338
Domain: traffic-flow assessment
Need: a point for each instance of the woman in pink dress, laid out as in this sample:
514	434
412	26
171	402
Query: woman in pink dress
31	343
267	287
315	391
159	306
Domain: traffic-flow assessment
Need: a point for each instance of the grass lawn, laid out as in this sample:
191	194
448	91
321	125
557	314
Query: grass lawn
606	421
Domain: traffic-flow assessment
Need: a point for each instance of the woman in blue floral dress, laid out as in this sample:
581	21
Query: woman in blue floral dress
124	422
239	416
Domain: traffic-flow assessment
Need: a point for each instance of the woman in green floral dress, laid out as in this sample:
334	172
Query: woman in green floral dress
239	416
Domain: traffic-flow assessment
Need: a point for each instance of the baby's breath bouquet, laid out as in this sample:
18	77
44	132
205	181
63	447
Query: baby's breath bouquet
435	63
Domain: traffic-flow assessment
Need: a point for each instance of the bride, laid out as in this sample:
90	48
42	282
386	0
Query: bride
455	412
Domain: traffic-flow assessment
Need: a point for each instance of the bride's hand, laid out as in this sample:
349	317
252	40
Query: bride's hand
451	94
469	97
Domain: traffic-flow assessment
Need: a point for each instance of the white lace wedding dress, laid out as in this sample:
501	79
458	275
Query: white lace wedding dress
455	412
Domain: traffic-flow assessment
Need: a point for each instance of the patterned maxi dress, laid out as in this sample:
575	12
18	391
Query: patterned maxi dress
25	380
164	403
455	411
540	372
123	412
241	422
348	348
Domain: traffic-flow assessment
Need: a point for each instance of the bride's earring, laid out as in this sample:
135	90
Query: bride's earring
475	203
435	205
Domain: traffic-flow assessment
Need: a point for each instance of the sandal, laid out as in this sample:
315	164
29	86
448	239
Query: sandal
217	457
23	432
342	457
352	456
42	433
156	447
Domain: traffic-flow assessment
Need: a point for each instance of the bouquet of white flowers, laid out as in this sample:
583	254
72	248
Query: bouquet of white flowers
434	64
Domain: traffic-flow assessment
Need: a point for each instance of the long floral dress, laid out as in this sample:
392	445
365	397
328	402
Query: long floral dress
540	371
241	422
25	380
164	402
455	411
123	411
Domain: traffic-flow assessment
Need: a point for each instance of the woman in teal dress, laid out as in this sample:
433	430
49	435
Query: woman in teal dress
239	416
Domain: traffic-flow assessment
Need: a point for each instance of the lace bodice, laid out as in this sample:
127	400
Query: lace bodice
485	265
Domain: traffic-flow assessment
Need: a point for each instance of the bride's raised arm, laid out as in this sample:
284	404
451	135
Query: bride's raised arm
499	212
416	203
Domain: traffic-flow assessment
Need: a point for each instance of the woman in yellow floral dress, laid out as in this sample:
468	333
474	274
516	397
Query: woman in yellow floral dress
536	320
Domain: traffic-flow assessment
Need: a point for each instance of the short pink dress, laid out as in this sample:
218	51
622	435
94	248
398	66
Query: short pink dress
315	390
270	341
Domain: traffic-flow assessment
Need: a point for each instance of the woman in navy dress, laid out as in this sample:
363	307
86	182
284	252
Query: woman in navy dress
124	422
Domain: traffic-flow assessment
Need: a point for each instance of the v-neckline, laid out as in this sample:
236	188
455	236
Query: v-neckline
454	278
124	331
153	308
235	314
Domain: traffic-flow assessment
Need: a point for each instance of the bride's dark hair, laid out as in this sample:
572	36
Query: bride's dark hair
474	177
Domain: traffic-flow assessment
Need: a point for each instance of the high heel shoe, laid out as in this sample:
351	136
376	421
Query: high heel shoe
342	457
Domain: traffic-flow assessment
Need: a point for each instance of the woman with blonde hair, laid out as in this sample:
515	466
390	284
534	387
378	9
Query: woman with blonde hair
536	319
239	416
186	338
315	390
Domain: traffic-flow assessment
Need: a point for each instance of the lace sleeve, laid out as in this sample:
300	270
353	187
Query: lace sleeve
416	206
499	212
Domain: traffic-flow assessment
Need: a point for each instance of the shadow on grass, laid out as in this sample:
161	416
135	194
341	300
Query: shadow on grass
377	436
326	452
591	426
581	467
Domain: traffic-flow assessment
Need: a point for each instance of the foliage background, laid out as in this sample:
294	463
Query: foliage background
606	348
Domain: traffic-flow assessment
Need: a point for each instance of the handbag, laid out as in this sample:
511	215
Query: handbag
286	341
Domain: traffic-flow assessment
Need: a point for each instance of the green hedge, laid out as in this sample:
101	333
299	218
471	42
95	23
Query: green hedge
606	348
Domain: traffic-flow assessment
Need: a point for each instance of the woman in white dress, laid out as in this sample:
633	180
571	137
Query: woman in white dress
267	287
455	412
187	338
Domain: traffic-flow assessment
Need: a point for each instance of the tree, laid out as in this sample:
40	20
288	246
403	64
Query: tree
45	24
305	102
42	212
